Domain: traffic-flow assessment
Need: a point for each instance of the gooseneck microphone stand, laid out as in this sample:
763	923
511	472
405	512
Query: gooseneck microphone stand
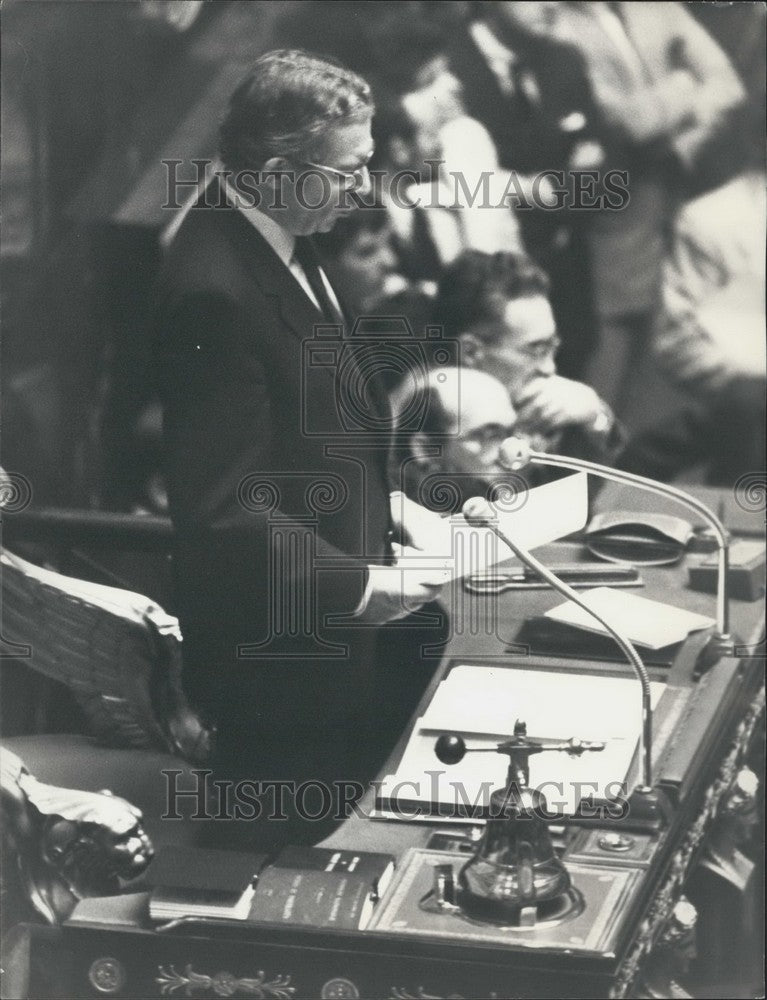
479	513
516	454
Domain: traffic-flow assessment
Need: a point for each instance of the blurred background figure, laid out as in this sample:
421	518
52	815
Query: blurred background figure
741	31
709	340
426	234
361	259
532	93
663	88
498	307
529	89
454	196
710	333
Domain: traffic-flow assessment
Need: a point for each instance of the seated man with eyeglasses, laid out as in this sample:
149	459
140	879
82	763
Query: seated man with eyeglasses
449	427
497	306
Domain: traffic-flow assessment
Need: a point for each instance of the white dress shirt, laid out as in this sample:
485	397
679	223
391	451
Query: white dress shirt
283	243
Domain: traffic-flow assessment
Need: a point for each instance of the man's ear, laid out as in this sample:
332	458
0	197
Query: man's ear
472	350
273	167
422	450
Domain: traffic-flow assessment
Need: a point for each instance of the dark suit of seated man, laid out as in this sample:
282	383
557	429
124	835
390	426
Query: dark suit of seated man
276	467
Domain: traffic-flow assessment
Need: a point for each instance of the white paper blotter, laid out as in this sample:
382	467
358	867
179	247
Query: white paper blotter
482	703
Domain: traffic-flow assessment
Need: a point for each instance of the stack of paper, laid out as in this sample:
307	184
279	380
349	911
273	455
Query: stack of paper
651	624
482	704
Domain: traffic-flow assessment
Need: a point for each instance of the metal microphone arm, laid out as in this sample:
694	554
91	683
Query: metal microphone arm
516	453
477	511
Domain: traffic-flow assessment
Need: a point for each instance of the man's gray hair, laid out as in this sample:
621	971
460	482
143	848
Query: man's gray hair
284	106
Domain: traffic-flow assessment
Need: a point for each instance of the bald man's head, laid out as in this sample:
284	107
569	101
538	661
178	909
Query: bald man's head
465	416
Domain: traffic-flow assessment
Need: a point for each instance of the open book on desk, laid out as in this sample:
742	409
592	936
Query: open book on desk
481	704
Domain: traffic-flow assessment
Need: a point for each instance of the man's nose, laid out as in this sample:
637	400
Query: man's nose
387	259
546	366
365	186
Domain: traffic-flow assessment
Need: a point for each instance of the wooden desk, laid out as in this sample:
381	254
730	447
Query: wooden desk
702	752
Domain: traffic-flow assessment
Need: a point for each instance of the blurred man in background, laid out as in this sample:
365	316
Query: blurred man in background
663	88
498	307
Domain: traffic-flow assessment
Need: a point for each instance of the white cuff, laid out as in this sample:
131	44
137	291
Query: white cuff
362	606
603	421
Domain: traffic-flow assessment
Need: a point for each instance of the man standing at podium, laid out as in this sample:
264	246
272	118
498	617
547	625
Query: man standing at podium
276	466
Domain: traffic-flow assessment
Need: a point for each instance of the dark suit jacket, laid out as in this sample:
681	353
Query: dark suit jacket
278	504
528	135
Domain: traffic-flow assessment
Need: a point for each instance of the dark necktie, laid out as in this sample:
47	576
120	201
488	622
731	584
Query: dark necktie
348	375
305	254
426	263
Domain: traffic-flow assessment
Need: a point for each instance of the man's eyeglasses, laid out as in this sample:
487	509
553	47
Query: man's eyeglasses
539	350
487	439
351	178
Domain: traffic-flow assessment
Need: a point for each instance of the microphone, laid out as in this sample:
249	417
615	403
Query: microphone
516	453
479	513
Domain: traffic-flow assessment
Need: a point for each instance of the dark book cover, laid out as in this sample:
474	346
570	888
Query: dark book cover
193	882
321	887
195	868
331	859
314	898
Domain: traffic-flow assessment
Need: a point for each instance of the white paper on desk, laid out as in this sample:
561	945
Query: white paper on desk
482	703
647	623
542	515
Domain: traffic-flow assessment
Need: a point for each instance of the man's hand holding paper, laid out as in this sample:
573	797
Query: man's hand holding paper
417	526
395	591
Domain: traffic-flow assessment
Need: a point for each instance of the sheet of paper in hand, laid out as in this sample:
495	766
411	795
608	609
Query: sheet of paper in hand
536	517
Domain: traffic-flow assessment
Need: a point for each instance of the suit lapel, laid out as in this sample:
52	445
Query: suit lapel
299	314
271	275
484	87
